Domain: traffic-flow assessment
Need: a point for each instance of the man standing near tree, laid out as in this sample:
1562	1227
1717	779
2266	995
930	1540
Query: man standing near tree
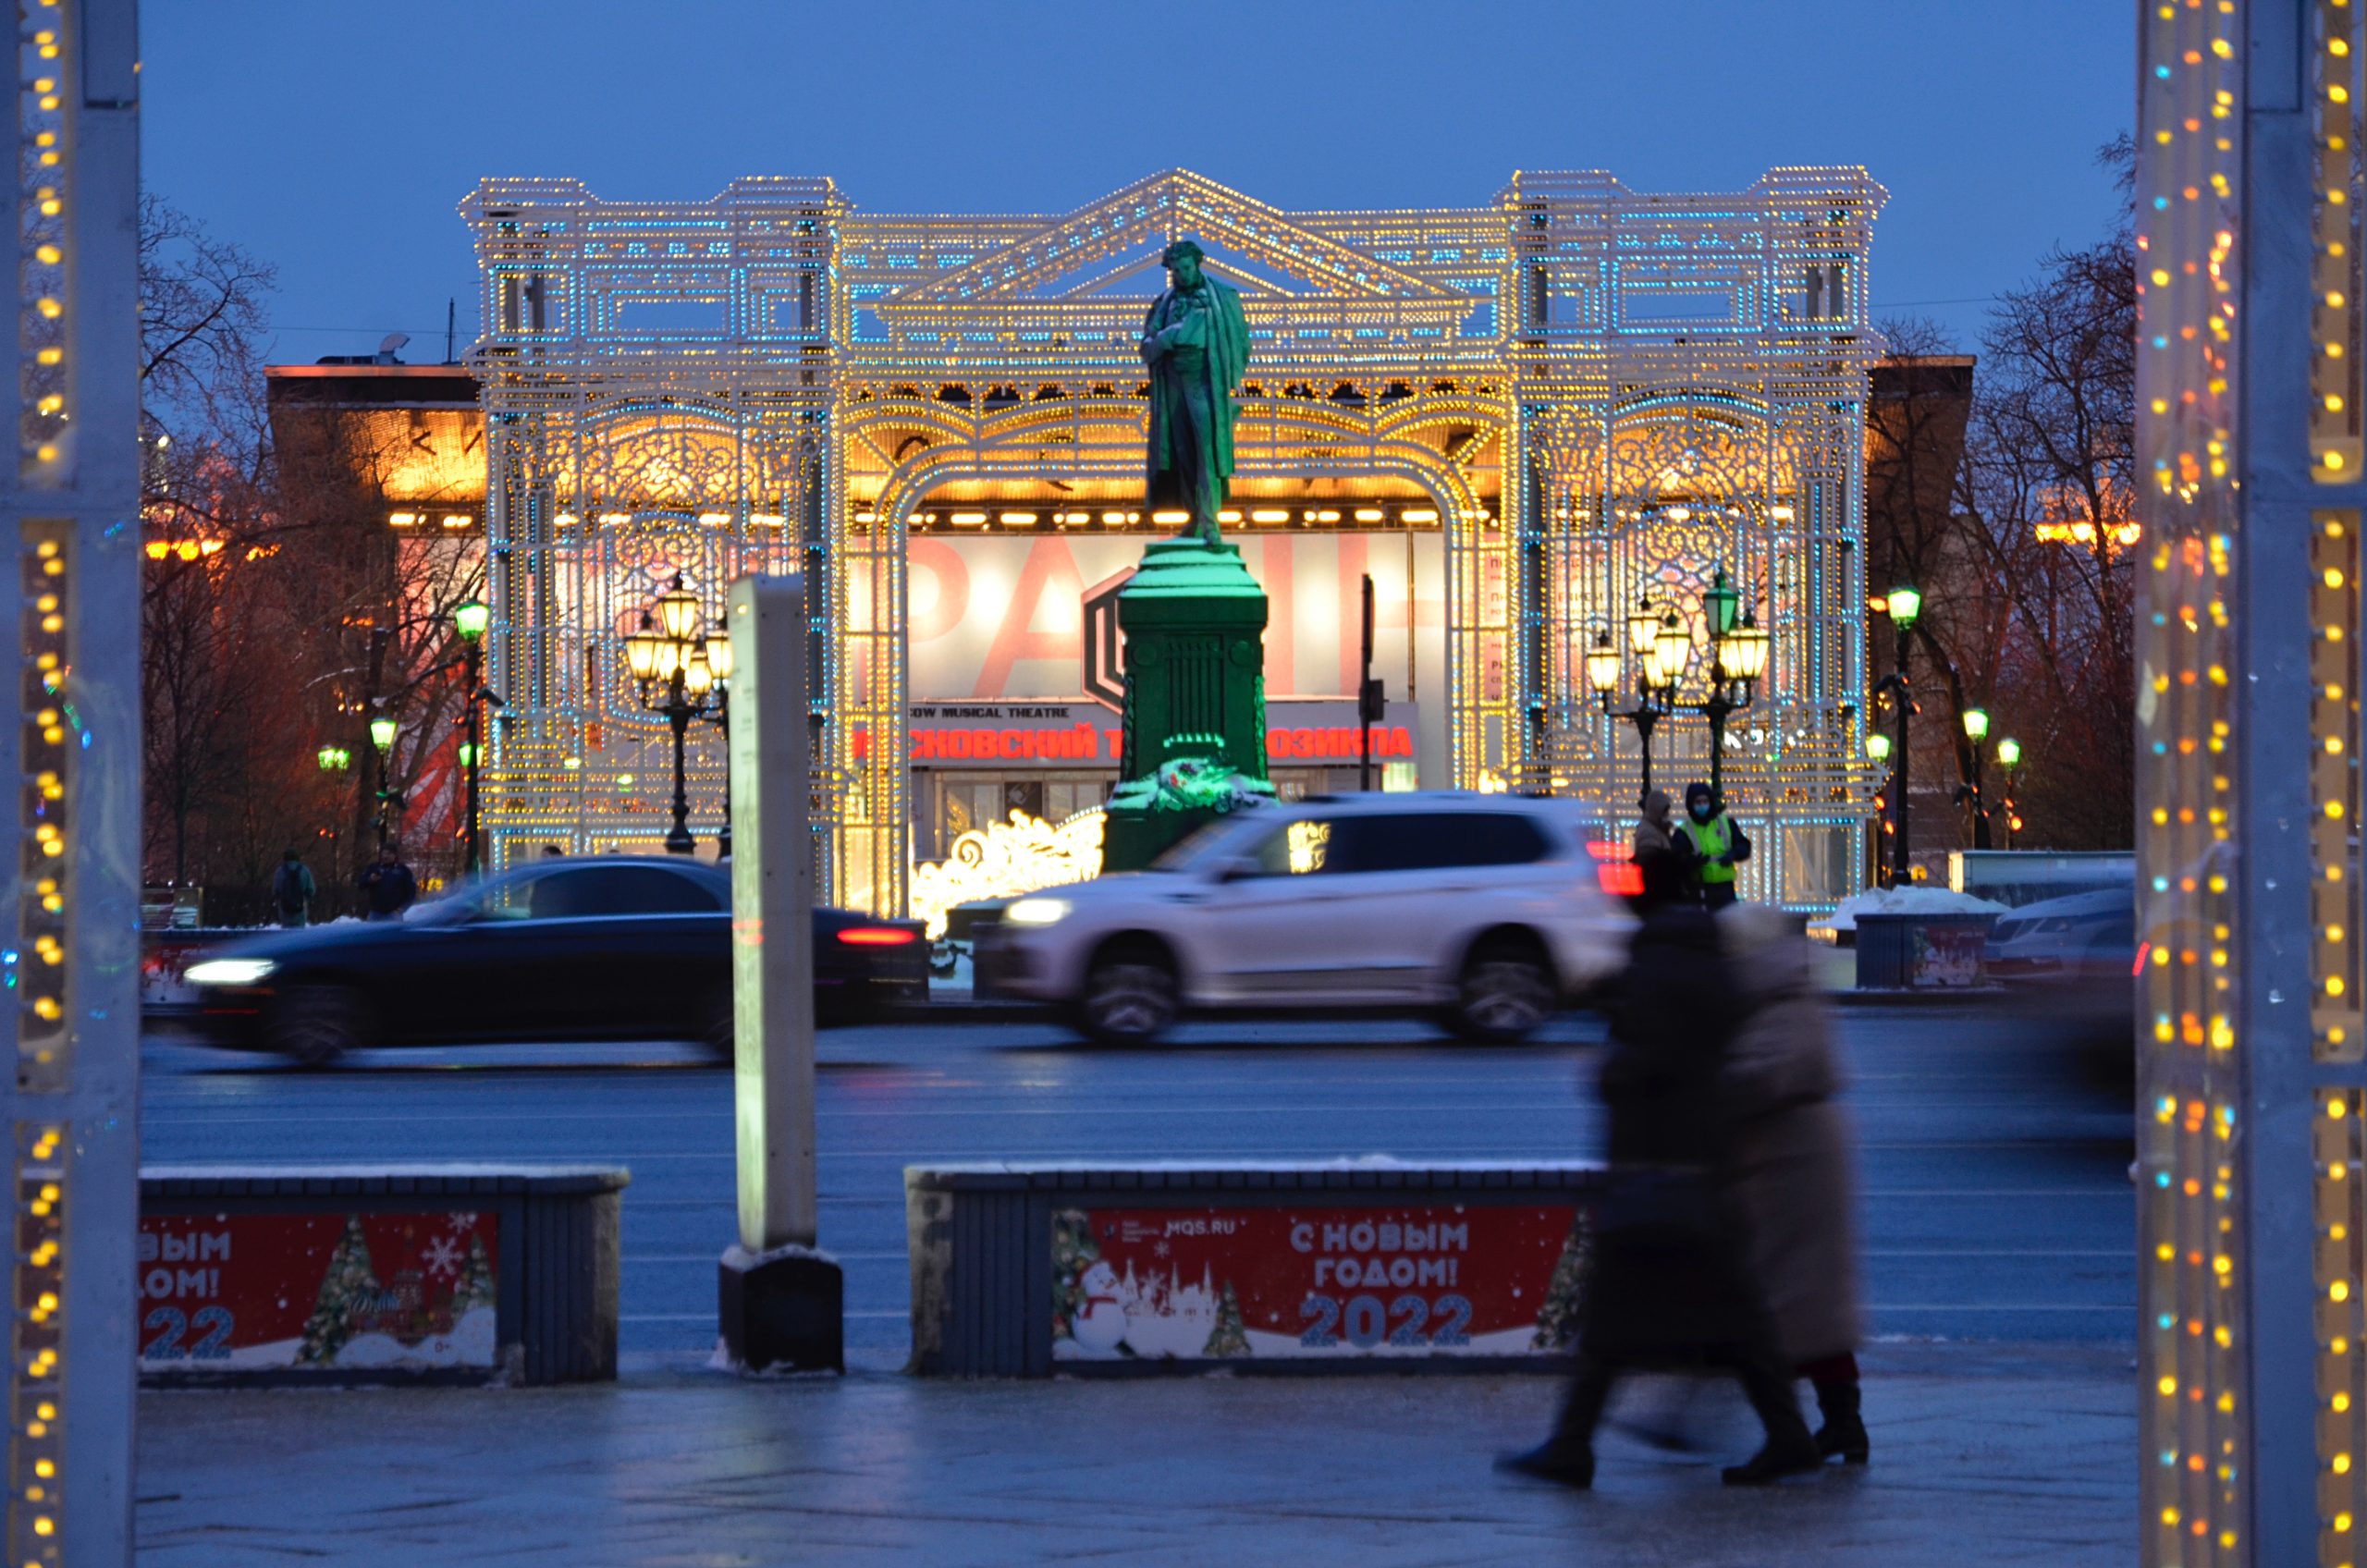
291	889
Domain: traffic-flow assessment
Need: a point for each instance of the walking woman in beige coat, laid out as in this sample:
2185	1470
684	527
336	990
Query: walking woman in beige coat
1794	1165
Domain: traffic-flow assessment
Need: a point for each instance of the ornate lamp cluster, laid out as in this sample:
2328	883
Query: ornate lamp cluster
683	668
1663	645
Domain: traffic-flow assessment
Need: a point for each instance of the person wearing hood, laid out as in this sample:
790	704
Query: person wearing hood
1715	843
1671	1283
1791	1164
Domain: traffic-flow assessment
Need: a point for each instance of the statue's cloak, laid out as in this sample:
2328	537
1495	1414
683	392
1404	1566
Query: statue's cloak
1224	343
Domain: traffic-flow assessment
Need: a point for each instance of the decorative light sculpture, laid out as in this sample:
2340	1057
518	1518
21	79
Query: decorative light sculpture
776	440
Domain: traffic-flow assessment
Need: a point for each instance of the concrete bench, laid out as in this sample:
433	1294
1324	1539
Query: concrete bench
1027	1270
385	1273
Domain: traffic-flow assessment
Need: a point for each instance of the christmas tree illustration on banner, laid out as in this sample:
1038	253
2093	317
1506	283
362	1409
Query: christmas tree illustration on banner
475	1287
1074	1251
1229	1337
348	1292
1557	1318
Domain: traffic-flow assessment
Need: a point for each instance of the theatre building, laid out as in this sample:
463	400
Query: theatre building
1514	419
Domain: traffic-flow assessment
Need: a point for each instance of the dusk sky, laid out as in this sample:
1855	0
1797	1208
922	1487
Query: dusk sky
334	140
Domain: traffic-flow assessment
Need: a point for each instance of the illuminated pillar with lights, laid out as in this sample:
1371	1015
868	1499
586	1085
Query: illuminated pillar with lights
71	951
2255	1382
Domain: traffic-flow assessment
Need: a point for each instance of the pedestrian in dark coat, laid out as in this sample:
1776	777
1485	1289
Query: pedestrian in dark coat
1671	1283
1794	1164
388	887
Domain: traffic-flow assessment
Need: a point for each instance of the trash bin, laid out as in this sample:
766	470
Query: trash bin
1921	953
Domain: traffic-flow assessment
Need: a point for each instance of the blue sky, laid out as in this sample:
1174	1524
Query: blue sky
334	137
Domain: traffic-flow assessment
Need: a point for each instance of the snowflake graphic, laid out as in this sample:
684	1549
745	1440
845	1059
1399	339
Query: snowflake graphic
442	1256
463	1221
1159	1250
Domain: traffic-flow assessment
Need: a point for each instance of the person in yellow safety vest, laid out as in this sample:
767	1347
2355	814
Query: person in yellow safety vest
1717	841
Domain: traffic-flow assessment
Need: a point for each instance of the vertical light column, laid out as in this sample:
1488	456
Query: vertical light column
2194	1420
69	961
2249	733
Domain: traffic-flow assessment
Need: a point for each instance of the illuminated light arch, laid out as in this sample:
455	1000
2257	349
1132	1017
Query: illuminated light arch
844	362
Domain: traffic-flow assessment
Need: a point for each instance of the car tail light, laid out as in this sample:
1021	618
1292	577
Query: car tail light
2144	951
1621	879
877	936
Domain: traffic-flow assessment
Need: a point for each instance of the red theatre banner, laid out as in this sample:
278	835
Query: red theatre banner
1191	1284
254	1292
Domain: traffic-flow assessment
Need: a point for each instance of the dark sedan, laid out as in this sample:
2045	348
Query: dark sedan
574	949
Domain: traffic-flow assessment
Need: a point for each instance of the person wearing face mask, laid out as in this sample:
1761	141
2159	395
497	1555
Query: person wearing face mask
1716	841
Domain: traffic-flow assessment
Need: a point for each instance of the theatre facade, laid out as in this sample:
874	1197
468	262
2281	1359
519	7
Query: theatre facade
1516	419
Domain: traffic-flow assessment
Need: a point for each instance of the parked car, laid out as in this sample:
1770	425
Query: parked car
614	948
1486	911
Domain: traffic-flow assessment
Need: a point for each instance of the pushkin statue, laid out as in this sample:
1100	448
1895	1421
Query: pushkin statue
1195	341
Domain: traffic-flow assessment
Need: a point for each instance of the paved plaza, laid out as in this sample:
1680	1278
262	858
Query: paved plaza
1999	1453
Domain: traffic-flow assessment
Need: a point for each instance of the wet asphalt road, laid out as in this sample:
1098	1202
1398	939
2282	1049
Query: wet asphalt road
1997	1203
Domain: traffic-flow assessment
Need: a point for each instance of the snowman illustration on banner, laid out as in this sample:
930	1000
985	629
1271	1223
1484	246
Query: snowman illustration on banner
1099	1327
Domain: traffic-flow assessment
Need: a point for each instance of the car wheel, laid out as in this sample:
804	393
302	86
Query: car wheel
313	1025
1129	996
1506	993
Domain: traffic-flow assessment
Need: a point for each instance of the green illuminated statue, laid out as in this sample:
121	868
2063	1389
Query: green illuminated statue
1193	618
1196	343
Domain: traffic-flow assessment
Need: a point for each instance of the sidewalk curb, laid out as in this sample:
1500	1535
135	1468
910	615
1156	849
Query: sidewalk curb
974	1012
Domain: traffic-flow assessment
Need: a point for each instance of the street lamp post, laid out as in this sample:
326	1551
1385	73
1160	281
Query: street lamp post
470	619
381	736
1975	730
2009	757
671	664
1905	604
718	662
1664	648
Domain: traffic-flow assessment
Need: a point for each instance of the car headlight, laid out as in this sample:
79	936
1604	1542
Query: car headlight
1037	912
229	971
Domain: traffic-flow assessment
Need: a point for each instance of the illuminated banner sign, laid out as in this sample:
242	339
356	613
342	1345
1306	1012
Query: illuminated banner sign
1268	1283
1000	620
1086	734
244	1292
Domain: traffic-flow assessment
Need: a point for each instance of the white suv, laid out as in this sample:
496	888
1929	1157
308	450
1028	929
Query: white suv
1487	909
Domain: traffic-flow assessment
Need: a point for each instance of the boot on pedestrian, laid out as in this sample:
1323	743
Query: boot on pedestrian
1844	1432
1790	1450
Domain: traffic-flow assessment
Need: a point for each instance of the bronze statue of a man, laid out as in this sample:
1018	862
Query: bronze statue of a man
1196	343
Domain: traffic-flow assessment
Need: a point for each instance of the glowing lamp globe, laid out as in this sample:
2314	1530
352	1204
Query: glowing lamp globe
381	733
1906	604
641	652
678	612
1643	628
1878	745
1720	603
1976	724
1673	649
2009	752
1603	663
719	652
1742	652
471	619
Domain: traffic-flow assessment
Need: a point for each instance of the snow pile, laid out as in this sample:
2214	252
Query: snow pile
1909	901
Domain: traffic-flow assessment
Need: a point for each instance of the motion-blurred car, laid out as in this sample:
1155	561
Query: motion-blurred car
1487	911
2074	940
614	948
2072	962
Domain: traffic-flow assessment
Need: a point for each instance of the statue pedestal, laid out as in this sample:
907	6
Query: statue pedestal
1195	624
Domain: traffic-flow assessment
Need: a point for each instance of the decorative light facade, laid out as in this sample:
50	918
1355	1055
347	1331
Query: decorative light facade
1587	391
70	958
2253	1381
